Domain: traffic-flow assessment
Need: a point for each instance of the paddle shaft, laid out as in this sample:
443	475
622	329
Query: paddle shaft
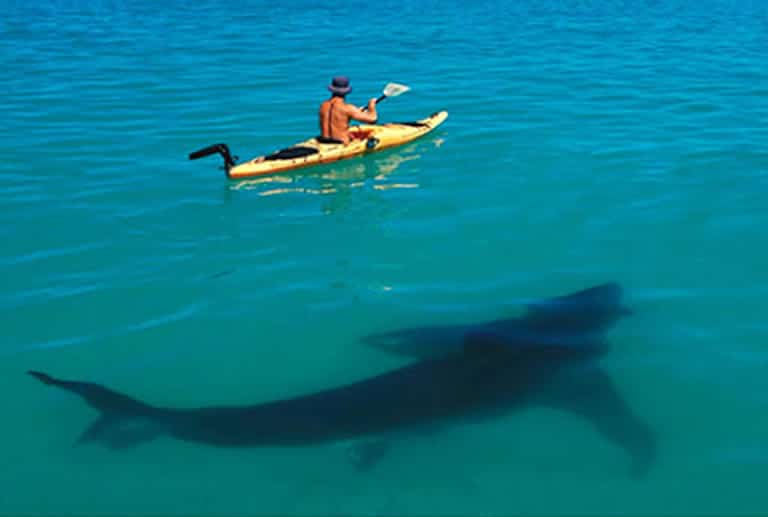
377	101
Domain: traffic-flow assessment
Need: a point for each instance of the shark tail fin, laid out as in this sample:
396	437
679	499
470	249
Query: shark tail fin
123	421
97	396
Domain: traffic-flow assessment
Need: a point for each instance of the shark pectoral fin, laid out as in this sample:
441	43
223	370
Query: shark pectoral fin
366	455
593	395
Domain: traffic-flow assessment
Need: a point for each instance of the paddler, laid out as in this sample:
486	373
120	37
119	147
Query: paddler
336	113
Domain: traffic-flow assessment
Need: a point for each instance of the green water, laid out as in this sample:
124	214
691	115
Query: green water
586	143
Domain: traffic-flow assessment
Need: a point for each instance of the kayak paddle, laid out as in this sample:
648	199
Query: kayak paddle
391	90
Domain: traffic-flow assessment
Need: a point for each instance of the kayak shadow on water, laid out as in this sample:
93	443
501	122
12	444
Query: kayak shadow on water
341	178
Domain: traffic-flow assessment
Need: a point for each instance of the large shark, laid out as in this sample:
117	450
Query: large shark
484	378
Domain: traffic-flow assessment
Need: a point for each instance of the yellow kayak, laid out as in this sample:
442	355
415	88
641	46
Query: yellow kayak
367	138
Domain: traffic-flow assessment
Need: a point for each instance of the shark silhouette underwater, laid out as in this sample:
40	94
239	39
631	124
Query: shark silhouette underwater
485	377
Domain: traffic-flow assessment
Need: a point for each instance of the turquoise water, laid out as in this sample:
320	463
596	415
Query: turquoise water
587	142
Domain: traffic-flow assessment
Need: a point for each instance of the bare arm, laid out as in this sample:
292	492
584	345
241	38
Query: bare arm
369	117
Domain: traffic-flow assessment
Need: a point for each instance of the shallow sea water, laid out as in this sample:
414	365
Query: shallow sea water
587	142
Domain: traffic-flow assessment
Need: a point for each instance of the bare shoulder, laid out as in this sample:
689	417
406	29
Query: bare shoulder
349	107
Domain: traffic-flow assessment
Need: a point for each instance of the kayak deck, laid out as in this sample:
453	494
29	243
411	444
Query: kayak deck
367	138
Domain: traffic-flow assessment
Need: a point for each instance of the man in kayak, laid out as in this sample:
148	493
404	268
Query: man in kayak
335	113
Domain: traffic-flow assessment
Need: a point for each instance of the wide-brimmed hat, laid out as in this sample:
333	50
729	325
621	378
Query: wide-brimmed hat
340	85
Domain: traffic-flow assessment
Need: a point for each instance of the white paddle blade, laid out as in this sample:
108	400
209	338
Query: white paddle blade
394	89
